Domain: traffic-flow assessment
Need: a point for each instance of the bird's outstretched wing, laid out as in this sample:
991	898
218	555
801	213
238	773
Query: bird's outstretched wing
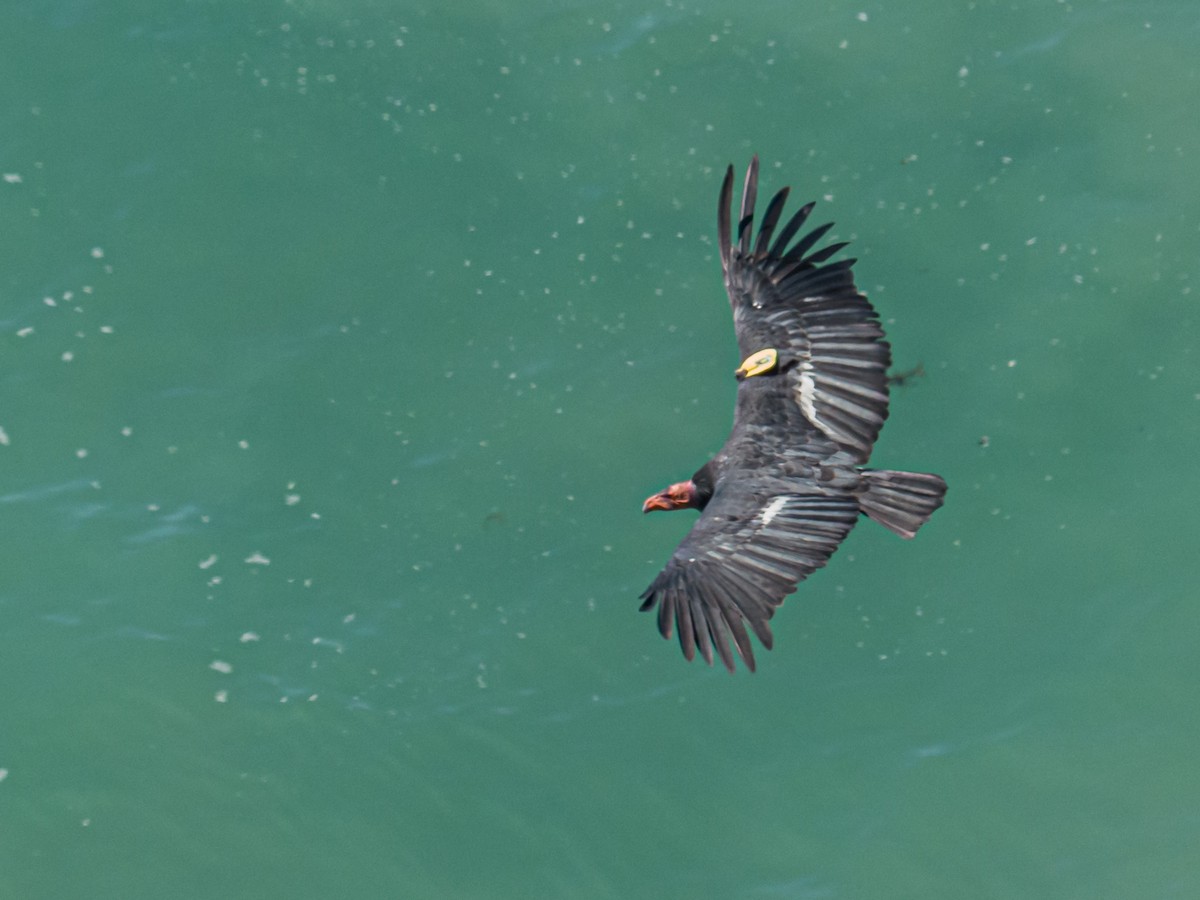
810	312
745	553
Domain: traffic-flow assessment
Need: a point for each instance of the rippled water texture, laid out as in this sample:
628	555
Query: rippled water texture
341	341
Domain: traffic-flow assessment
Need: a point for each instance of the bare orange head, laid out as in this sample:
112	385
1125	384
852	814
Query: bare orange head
680	495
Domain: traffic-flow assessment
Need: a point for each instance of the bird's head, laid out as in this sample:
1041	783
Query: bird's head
681	495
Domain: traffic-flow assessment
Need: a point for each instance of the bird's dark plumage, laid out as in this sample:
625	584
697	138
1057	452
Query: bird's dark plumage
788	485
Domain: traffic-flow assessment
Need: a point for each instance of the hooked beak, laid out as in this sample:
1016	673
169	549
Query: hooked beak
661	500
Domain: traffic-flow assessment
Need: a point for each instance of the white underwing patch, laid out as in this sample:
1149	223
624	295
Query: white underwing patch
808	392
773	509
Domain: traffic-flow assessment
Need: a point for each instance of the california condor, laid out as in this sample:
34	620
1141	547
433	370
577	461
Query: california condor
789	484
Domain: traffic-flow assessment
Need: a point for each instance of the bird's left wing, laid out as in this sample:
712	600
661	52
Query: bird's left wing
746	552
789	299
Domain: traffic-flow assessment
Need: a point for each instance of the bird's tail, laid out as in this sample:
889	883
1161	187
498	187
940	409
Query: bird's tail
901	501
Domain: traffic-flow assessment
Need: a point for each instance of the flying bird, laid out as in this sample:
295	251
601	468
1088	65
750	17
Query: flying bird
789	483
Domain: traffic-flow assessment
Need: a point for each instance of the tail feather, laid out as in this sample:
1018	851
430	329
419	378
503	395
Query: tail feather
901	501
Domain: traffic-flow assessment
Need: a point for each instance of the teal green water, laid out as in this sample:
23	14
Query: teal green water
340	342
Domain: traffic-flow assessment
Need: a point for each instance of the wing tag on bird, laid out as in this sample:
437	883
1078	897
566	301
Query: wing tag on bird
757	363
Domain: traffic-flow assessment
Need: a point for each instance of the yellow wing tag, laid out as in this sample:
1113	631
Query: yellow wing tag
757	364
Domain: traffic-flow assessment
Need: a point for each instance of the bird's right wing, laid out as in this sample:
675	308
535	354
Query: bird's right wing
745	553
